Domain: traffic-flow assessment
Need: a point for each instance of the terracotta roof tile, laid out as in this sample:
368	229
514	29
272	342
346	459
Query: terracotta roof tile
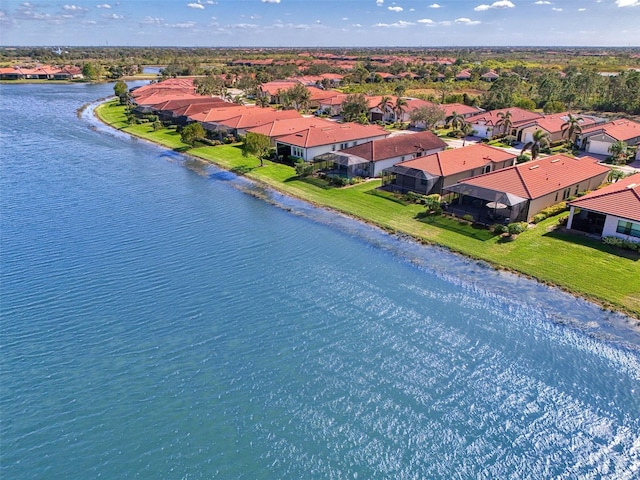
621	199
618	129
518	116
396	146
336	133
458	160
281	127
540	177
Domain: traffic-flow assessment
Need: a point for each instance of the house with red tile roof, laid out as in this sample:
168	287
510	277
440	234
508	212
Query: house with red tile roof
553	124
490	76
281	127
488	124
316	140
237	120
463	75
598	139
333	105
524	189
432	173
613	210
369	159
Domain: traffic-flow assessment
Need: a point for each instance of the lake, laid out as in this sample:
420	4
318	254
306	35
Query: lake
159	320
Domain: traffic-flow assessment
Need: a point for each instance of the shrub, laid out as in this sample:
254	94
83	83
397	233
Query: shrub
516	228
468	218
303	169
456	134
621	243
538	217
509	140
522	158
499	228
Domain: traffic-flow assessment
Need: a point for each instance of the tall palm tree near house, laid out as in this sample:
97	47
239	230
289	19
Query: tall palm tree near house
385	104
540	139
505	123
467	129
618	151
455	120
399	108
571	128
263	100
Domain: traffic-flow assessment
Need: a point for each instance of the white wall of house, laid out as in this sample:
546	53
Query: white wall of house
598	147
611	226
482	131
527	134
310	153
540	203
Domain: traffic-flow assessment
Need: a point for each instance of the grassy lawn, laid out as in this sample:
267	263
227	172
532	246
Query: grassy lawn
577	264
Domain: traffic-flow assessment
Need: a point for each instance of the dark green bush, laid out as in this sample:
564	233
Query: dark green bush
621	243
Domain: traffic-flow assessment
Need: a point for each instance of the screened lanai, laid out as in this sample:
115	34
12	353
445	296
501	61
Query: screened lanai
404	179
343	164
486	205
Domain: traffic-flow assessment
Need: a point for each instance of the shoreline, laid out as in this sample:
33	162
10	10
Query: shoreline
633	316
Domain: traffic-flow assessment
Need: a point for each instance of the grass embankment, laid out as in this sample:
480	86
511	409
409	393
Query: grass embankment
577	264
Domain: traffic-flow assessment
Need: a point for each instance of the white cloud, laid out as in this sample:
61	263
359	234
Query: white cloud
195	5
556	9
628	3
103	5
426	21
211	2
379	2
582	9
91	22
498	4
395	9
114	16
399	24
74	8
344	19
434	5
183	25
356	25
270	1
152	21
248	25
467	21
543	2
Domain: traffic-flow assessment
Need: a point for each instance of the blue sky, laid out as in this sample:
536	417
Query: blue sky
318	23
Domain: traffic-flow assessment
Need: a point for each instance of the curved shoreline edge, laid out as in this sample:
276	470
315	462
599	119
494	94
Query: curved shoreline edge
633	315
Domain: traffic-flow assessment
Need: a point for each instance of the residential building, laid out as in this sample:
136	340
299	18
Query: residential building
433	172
597	140
613	210
525	189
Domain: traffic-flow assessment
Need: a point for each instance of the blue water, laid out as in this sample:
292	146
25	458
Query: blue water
160	322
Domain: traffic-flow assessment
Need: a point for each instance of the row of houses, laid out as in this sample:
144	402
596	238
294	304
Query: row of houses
42	72
478	180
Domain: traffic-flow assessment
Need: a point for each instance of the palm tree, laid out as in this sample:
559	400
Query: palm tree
540	139
455	120
618	151
385	103
572	127
615	174
263	101
399	108
505	122
467	129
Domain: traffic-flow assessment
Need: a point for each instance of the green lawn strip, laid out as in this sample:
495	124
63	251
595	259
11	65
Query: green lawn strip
577	264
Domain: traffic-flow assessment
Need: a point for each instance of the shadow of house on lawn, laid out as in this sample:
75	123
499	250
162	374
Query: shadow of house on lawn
578	238
478	232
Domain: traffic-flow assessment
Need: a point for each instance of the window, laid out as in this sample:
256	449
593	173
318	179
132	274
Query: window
628	228
297	152
566	193
486	169
344	145
577	189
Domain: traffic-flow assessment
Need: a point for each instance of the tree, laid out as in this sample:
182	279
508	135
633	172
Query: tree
618	151
429	115
571	128
297	96
615	174
505	123
92	71
399	108
263	100
400	90
540	139
385	104
467	129
353	106
209	85
554	106
455	120
121	91
192	133
257	145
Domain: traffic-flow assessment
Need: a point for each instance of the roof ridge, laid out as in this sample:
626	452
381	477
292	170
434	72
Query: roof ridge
524	184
